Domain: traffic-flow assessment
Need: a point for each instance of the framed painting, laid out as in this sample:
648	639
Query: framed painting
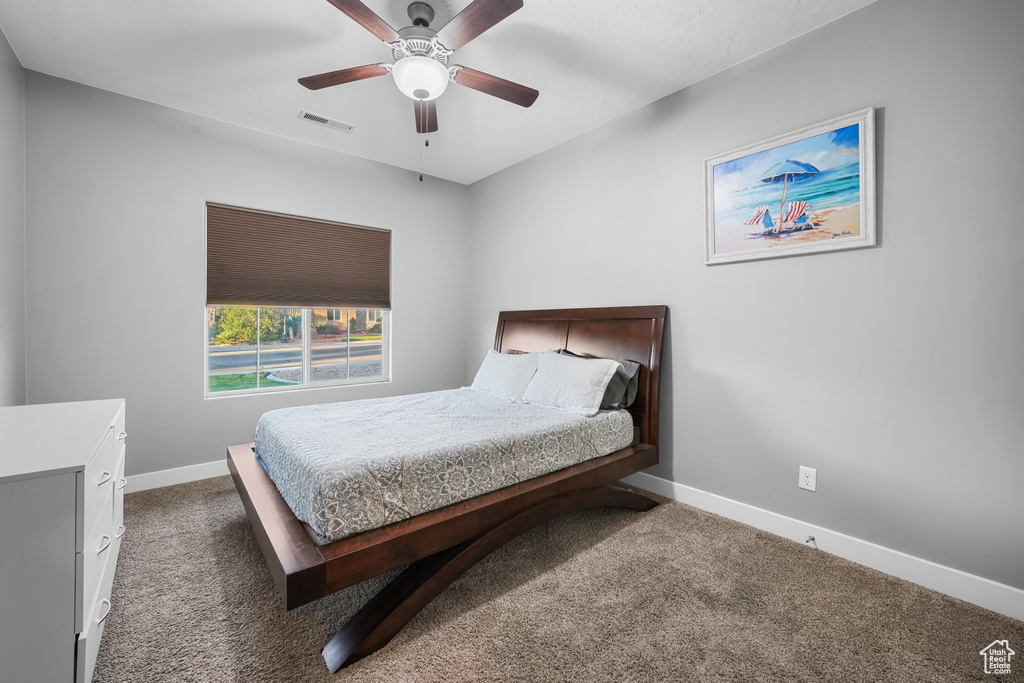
803	192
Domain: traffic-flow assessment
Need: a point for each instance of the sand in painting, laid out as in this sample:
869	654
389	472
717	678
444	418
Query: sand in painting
832	224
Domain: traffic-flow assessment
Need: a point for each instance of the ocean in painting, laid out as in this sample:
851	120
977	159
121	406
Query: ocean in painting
832	189
832	195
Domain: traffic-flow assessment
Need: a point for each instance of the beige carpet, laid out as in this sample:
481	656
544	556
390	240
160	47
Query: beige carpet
674	594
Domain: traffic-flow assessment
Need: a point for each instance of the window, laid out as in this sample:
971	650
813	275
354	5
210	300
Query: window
268	277
293	348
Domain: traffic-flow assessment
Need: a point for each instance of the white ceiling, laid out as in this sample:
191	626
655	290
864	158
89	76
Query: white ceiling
238	61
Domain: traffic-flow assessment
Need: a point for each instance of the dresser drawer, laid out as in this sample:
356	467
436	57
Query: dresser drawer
88	645
97	481
92	561
119	433
119	483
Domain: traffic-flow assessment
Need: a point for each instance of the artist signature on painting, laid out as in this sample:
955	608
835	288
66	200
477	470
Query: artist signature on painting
844	233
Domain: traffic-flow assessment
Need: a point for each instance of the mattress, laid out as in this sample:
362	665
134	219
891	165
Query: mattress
344	468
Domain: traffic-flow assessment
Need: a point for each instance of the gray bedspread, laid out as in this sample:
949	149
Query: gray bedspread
348	467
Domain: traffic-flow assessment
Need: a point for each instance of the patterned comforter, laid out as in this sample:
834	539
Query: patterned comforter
348	467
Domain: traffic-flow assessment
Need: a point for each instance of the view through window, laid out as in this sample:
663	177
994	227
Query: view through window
269	349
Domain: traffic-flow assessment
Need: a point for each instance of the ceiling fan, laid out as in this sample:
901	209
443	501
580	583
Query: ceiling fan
421	55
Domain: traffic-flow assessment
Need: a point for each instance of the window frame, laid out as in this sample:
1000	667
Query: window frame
307	365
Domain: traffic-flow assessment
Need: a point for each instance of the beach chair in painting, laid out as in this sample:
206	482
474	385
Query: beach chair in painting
797	213
764	217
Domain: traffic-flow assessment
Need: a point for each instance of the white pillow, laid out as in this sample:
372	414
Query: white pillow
574	384
506	375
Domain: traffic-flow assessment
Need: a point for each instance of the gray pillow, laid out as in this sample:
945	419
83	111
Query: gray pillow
622	387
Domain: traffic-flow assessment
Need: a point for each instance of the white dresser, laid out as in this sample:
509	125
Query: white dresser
61	521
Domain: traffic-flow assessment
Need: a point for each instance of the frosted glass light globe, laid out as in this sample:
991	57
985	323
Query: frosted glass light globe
420	78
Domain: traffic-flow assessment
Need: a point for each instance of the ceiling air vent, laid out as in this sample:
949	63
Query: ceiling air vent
325	121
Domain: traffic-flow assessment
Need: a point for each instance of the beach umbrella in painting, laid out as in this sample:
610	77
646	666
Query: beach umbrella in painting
785	172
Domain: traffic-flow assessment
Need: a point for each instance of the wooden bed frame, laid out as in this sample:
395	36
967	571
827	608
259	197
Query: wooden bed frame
439	546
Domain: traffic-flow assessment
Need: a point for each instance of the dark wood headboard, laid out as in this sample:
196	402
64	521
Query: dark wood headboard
620	333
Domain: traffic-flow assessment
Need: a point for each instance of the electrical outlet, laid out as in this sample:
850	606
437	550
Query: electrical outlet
808	478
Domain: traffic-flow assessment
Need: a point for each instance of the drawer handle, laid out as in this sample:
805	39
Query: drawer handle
104	543
122	436
104	478
121	483
121	532
105	614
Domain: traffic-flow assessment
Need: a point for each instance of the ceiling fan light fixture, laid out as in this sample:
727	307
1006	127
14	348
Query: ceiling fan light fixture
420	78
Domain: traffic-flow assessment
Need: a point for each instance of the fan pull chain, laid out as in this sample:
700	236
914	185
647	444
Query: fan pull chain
426	143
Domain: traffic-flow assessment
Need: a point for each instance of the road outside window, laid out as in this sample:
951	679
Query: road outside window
273	349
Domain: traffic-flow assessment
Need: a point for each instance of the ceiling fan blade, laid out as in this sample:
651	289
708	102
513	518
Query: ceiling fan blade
356	73
365	17
479	16
426	116
498	87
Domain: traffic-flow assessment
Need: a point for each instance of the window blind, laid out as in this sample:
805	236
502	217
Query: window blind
258	258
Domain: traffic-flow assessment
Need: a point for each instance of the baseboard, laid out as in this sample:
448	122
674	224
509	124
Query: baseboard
177	475
977	590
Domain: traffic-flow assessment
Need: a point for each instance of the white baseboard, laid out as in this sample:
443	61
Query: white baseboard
177	475
980	591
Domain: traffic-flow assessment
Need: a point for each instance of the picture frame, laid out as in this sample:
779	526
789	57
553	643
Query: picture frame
826	169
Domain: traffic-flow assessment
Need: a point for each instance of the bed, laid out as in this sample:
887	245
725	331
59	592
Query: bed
439	545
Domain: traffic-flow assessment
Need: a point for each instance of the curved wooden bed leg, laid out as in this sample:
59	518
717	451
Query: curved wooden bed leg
396	604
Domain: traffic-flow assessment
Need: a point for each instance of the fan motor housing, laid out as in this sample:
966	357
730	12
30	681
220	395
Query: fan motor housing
418	41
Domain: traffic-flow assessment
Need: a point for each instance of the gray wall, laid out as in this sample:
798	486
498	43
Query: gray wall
116	261
896	371
12	227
